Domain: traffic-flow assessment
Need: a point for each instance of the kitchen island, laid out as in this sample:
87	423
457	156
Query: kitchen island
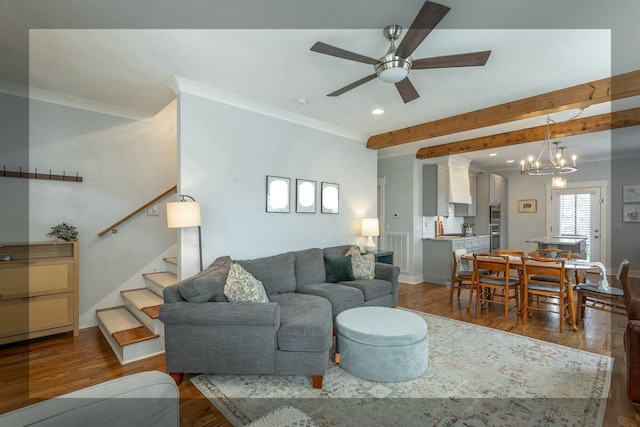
576	244
437	258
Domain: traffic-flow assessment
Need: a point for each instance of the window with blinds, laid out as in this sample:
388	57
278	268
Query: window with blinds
577	215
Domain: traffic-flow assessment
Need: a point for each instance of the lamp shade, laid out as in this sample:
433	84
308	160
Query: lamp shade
370	227
183	214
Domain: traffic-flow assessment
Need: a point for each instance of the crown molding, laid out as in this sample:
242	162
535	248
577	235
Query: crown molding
38	94
180	84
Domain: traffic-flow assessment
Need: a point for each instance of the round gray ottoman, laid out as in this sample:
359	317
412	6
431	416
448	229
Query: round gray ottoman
382	344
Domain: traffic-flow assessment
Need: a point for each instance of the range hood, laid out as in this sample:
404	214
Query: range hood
459	188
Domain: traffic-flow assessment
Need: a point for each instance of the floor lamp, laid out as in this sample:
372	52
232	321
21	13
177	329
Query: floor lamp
185	214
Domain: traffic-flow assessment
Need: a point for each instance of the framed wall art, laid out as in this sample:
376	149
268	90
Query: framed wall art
278	194
305	196
631	193
528	206
631	212
330	198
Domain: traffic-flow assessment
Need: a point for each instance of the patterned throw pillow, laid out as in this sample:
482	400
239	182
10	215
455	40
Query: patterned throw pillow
242	286
363	266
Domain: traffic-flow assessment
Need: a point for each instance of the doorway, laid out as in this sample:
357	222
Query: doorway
578	211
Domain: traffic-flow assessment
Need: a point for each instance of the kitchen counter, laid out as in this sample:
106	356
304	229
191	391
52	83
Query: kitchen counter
577	245
558	240
437	254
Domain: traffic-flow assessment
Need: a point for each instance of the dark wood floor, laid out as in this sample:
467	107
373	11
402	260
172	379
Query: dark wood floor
48	367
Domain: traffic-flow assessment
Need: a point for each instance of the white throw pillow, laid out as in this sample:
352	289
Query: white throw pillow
363	266
242	286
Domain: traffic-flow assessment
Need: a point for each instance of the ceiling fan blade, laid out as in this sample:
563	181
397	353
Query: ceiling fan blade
472	59
341	53
426	20
353	85
407	91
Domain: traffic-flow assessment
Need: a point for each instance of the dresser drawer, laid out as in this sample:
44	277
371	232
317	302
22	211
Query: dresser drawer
35	277
28	315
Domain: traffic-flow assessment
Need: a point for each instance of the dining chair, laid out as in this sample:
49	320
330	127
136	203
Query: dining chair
548	293
491	274
605	298
551	253
515	271
460	278
510	252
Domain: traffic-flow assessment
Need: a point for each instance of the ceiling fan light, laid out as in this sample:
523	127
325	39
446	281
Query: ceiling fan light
392	69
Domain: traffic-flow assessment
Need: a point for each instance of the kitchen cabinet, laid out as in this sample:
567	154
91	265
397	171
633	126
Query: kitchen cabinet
38	290
437	255
497	189
491	189
435	190
463	209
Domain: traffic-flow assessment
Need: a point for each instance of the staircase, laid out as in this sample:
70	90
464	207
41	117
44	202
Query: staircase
133	329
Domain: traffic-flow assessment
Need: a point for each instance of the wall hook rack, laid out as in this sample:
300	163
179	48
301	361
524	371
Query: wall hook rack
36	175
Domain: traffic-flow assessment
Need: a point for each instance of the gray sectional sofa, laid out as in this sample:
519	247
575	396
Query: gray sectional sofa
289	335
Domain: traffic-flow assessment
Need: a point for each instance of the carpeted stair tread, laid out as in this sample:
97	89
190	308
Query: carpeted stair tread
171	260
142	298
117	319
163	279
123	326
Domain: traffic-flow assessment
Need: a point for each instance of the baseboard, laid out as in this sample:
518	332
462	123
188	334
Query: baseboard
412	280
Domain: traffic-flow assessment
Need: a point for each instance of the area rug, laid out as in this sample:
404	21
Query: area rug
477	376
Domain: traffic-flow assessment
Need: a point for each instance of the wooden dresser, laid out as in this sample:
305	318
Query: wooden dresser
38	289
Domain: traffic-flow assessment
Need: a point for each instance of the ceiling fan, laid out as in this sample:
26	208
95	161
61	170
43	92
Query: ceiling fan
395	65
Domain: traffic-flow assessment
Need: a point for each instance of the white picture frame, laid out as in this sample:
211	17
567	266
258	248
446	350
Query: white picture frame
631	193
631	212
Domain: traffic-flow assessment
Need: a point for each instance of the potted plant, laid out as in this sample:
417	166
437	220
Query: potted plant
64	231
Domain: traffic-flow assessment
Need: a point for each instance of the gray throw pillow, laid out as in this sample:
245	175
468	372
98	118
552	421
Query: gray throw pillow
208	285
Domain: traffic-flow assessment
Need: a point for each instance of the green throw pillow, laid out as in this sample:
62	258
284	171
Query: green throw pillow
338	269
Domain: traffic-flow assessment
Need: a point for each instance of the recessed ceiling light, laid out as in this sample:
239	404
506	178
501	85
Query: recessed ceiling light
377	111
510	161
493	154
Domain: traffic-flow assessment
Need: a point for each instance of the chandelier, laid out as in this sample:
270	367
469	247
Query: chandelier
559	164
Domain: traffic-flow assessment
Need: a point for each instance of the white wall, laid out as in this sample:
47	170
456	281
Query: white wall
403	210
225	155
124	164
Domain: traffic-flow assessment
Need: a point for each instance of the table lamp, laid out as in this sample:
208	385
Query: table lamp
370	228
185	214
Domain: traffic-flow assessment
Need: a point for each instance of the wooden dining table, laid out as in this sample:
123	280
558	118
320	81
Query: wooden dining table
574	265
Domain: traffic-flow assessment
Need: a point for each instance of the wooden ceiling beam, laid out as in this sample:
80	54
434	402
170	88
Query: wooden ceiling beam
583	95
618	119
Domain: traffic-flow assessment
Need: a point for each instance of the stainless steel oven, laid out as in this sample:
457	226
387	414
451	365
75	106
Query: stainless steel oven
494	236
494	214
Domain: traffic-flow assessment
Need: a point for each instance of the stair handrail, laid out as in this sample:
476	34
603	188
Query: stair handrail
113	228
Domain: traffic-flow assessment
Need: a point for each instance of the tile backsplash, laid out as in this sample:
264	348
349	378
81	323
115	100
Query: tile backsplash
452	224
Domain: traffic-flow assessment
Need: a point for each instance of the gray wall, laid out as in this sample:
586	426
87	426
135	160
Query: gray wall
225	154
625	236
124	164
